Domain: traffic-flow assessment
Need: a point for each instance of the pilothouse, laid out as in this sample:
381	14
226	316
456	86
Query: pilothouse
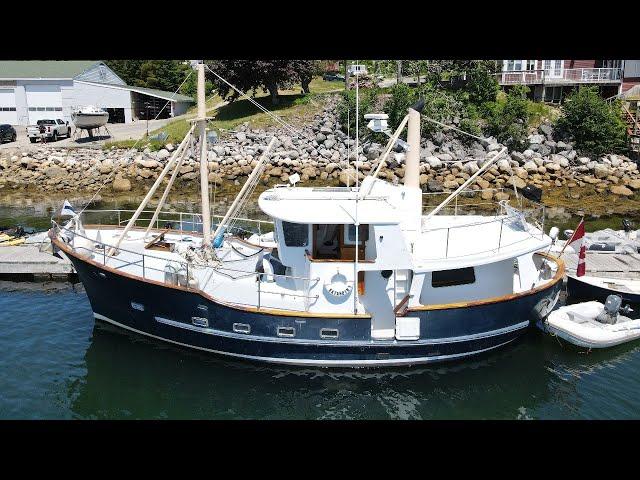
347	276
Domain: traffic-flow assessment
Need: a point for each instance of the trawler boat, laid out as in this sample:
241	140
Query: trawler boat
348	276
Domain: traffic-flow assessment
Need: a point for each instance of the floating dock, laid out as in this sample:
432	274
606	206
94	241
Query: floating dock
33	259
606	264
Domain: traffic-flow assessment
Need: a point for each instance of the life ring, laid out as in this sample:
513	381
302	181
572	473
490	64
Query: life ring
338	286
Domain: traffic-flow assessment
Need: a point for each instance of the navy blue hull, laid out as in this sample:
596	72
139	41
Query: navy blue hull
167	313
577	289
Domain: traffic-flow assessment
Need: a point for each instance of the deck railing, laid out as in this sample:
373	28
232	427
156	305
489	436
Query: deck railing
567	75
181	221
528	213
99	252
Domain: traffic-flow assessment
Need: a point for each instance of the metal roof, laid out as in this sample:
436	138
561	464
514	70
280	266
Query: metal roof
176	97
16	69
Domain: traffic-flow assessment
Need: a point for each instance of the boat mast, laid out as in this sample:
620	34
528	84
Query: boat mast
204	161
357	224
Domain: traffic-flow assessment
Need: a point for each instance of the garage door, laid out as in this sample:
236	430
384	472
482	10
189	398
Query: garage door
8	112
43	101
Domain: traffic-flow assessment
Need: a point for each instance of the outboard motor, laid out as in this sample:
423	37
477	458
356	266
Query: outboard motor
611	309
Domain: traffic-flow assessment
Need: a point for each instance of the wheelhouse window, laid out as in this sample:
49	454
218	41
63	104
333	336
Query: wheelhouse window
450	278
333	242
295	234
350	234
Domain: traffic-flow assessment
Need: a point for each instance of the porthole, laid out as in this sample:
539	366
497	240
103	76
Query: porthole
200	322
241	328
137	306
329	333
286	332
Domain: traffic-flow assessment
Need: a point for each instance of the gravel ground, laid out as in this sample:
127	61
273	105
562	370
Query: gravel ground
119	131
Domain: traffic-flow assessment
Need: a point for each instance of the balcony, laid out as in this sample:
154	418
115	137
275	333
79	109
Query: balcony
569	76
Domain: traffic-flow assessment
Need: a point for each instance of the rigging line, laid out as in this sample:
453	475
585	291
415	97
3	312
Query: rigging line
265	110
134	146
444	125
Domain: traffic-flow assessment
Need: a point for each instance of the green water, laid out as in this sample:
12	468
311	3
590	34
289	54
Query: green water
56	361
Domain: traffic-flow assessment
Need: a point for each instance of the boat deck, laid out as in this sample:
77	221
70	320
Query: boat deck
234	280
474	239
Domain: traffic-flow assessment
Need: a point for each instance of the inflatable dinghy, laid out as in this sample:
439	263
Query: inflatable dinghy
594	325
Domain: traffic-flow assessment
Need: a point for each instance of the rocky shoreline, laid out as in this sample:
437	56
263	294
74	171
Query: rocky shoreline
318	153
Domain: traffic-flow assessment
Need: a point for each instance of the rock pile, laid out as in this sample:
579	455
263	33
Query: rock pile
321	153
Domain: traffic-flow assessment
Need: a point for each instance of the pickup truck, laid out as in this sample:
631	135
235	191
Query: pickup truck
48	129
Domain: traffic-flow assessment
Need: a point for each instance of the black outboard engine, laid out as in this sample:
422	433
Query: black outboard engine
627	226
531	192
611	309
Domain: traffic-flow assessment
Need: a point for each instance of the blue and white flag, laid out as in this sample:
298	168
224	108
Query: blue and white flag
67	210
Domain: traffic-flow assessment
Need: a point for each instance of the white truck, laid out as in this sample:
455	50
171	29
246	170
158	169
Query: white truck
48	130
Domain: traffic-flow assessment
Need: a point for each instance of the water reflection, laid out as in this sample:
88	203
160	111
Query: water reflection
132	377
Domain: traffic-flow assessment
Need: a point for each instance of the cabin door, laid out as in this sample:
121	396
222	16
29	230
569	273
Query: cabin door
386	292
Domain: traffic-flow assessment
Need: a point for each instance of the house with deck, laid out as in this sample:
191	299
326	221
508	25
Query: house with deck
551	80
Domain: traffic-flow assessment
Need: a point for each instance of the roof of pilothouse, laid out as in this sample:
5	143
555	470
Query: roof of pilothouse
330	205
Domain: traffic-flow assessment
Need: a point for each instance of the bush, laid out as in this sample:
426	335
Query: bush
347	109
482	85
508	120
595	126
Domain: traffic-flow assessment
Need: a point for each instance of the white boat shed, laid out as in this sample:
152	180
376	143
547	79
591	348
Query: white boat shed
35	90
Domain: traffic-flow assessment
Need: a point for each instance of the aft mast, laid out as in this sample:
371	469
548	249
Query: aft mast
201	123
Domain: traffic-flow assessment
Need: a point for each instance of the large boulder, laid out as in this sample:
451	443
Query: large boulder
121	184
621	190
163	154
347	177
434	162
600	171
531	166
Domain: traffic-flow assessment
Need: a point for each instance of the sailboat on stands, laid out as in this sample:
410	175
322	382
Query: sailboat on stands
351	276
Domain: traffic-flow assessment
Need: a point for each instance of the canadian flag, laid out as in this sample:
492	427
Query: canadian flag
577	244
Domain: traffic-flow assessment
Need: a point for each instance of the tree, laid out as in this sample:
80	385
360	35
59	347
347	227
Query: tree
251	75
508	121
596	126
159	74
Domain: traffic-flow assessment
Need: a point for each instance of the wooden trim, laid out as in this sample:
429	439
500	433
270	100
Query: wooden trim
503	298
267	311
400	309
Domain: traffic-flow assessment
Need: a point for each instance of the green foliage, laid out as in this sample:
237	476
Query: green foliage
347	110
160	74
482	85
266	75
508	120
190	87
596	126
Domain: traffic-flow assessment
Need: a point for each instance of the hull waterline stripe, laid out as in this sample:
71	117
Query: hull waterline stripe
306	362
349	343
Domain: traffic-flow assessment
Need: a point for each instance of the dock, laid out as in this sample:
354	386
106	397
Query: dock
33	260
606	264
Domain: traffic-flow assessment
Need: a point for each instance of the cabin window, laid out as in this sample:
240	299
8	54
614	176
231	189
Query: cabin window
450	278
338	243
350	234
295	234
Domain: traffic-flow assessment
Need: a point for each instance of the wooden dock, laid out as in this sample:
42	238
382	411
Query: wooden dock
33	259
606	264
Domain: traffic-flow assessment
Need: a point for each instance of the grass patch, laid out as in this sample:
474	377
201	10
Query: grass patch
540	112
294	107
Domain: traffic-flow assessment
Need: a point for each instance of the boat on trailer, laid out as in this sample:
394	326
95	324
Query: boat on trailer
346	276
